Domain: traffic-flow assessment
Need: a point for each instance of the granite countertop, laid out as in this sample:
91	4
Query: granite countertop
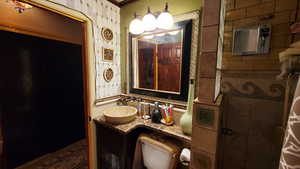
173	130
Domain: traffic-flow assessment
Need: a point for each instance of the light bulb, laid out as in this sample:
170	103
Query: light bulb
149	21
165	19
136	26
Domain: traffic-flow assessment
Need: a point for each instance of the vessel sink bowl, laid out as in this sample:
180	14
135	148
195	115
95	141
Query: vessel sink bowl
119	114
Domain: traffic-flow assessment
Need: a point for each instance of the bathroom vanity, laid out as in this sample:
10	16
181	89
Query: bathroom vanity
161	68
116	143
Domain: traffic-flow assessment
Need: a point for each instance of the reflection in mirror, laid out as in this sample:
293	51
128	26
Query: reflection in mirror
160	62
157	61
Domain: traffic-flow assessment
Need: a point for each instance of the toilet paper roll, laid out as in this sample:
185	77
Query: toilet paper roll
185	156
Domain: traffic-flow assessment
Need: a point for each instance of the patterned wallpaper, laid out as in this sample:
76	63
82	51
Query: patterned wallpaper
103	14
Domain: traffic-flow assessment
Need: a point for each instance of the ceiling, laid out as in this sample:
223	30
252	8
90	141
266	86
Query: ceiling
121	3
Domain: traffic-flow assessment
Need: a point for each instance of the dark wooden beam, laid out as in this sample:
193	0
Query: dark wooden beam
122	3
125	2
115	2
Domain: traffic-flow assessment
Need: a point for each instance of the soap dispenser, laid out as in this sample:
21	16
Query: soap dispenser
156	114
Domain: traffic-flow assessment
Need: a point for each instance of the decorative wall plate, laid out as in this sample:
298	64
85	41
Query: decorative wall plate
108	74
107	34
108	54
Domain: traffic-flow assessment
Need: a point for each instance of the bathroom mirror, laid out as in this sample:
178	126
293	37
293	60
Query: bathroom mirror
160	62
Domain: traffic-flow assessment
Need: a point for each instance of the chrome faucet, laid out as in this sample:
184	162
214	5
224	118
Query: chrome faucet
125	100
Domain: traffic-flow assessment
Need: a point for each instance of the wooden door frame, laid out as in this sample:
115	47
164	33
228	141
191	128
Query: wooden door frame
87	54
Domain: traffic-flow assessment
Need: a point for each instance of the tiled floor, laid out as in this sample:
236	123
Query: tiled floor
72	157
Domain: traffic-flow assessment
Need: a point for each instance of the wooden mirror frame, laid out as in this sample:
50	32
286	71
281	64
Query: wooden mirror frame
186	25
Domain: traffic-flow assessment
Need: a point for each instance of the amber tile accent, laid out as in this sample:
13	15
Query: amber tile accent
211	12
210	38
230	4
280	29
227	47
246	22
243	3
235	14
206	89
228	27
282	17
280	41
205	140
208	64
261	9
202	160
283	5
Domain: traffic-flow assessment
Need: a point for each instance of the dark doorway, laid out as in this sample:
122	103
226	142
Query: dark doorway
41	96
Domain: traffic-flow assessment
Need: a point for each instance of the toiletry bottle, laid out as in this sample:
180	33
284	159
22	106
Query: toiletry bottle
146	111
170	110
139	107
156	114
166	110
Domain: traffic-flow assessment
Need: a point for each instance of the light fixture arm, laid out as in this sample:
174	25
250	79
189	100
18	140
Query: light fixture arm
149	10
166	7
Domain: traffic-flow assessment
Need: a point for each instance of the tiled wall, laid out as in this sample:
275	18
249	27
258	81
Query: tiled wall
207	113
243	13
103	14
253	110
254	97
209	50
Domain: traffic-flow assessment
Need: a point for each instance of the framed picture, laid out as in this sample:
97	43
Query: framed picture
107	34
108	74
108	54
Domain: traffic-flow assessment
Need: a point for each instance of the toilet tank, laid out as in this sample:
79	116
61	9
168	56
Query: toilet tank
158	154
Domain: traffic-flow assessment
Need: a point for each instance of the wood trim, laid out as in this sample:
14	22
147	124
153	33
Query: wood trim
115	2
32	33
126	2
31	2
122	3
86	89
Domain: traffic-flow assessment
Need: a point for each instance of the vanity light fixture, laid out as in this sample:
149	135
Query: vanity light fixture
136	25
150	22
165	19
19	6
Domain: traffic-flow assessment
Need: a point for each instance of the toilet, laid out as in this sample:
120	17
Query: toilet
155	153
